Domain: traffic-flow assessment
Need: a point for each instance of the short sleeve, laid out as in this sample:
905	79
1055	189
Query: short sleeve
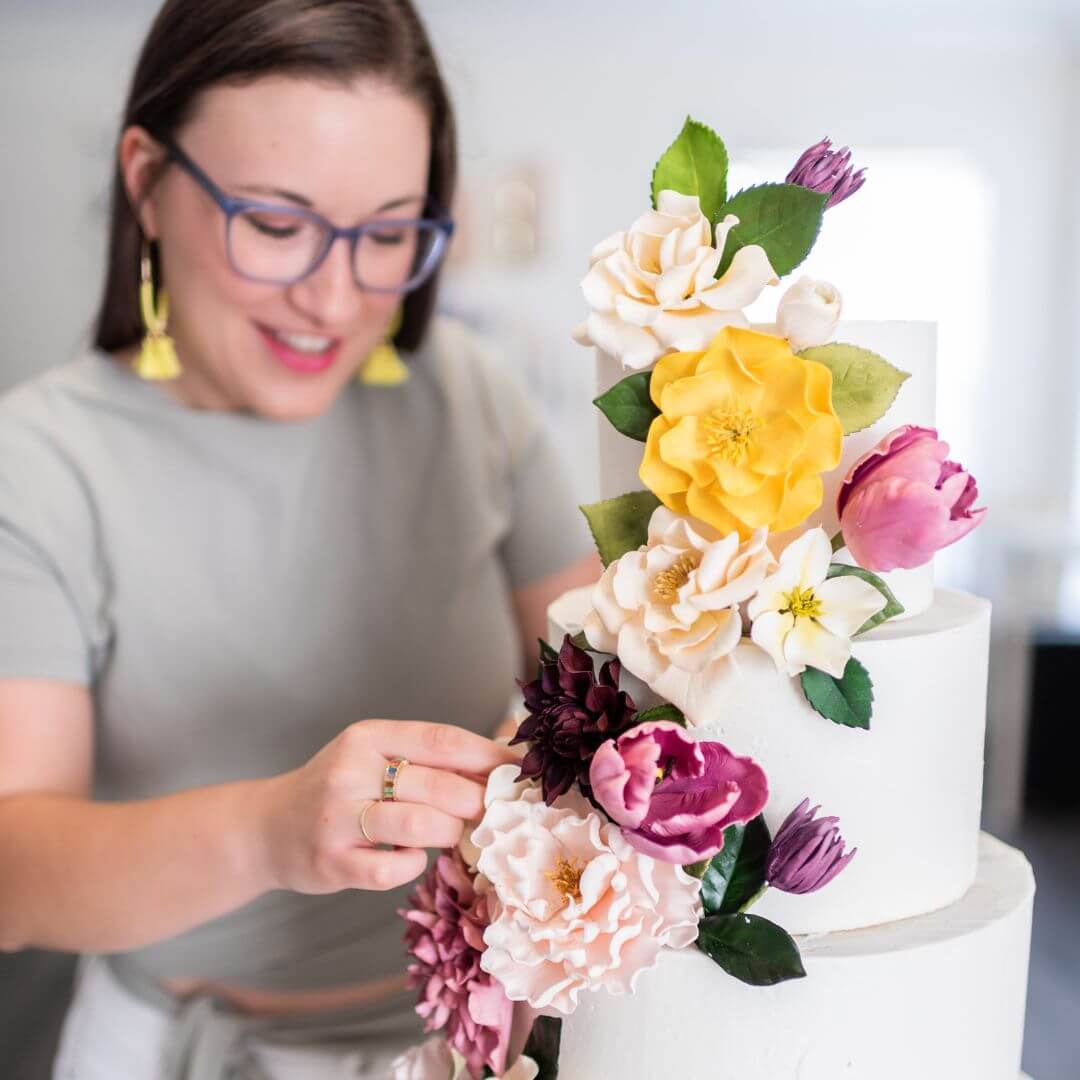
547	531
52	623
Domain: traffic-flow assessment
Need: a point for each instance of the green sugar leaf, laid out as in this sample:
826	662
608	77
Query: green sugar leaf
892	607
628	406
543	1046
864	385
784	219
694	164
735	874
662	712
621	524
750	948
848	701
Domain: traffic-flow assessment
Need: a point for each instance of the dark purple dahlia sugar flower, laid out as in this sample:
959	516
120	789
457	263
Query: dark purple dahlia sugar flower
805	854
572	710
828	172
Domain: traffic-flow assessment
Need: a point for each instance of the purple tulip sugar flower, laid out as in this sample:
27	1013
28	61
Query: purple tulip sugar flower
828	172
806	854
674	797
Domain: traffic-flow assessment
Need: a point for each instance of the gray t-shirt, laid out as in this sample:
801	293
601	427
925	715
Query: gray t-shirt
237	590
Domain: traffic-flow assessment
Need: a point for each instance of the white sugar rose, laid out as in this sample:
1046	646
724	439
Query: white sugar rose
670	609
437	1060
575	906
431	1060
654	288
808	313
802	617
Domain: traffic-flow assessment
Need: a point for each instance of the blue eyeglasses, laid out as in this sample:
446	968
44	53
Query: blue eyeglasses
280	245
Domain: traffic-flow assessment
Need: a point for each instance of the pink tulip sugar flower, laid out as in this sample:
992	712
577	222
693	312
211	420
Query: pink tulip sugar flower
904	500
672	796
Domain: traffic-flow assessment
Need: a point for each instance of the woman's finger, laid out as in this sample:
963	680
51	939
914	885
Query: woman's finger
459	796
443	746
411	825
367	868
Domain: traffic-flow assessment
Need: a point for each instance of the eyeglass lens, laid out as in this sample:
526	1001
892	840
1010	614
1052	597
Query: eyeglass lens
279	246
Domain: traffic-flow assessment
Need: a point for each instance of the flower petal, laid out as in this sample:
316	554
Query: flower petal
846	603
810	645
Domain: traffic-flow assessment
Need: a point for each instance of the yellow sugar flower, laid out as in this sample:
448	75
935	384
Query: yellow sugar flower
746	428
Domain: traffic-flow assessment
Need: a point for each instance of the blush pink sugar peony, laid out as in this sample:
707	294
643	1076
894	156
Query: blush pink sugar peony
576	908
904	500
672	796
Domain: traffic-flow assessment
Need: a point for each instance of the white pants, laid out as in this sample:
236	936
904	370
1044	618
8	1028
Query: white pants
110	1034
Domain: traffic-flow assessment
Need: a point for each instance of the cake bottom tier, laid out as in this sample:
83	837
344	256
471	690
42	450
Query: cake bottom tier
938	997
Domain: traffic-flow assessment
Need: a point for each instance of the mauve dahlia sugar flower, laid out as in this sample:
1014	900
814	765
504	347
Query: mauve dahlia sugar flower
827	171
572	710
904	500
805	854
445	935
674	797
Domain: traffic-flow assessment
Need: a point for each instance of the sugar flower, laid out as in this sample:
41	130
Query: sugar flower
670	609
430	1060
572	711
654	288
803	618
827	171
576	906
805	854
674	797
444	933
437	1060
745	430
904	500
808	313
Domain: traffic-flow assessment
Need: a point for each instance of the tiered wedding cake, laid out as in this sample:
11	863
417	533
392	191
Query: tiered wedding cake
765	643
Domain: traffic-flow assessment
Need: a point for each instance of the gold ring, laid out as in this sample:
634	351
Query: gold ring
363	828
390	778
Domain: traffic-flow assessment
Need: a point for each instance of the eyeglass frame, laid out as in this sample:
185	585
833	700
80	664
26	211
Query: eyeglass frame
231	206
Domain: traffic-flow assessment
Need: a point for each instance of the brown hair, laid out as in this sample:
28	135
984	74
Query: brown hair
196	44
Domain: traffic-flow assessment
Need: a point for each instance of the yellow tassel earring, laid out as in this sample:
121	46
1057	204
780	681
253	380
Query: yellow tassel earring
384	366
157	358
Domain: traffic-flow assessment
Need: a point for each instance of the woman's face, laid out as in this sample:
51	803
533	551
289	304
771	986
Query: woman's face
346	152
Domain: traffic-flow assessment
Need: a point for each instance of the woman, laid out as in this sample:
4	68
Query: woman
238	589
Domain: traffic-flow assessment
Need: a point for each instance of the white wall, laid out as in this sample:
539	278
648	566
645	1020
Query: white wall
588	94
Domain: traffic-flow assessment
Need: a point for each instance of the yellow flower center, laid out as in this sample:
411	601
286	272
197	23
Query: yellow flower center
803	604
566	877
727	433
667	583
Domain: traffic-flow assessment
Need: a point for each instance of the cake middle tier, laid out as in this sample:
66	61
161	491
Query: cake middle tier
908	792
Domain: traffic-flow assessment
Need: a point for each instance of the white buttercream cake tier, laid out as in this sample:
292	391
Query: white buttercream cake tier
910	346
938	997
908	792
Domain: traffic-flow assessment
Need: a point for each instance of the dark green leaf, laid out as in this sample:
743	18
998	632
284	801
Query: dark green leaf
736	872
582	642
662	712
548	655
543	1046
751	948
621	524
848	701
694	164
864	385
628	406
892	607
784	219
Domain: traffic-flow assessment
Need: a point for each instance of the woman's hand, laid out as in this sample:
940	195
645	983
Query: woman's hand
311	816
